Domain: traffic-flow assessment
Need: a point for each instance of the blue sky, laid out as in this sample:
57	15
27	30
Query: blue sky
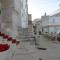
38	7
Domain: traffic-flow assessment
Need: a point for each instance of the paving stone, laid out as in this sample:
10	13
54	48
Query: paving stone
29	52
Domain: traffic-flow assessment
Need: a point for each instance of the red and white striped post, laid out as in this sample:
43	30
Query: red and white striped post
4	51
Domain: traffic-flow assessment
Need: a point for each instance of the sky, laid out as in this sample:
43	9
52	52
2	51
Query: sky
38	7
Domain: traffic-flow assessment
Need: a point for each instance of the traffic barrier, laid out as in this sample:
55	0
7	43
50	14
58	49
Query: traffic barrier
4	51
9	40
1	36
13	46
13	43
5	38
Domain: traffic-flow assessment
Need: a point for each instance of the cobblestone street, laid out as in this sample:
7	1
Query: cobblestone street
29	52
29	29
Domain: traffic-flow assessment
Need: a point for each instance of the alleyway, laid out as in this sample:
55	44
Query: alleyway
29	52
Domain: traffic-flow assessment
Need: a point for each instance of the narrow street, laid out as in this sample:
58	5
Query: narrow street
29	51
27	28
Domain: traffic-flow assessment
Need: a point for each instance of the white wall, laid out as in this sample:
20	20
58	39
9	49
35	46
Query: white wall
14	16
58	29
24	14
49	22
0	17
21	8
45	20
54	21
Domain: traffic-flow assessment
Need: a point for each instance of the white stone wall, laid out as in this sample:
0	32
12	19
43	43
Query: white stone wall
45	20
30	25
6	25
15	15
52	24
54	20
0	17
24	14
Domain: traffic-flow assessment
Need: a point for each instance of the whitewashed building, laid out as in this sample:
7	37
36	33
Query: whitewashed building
51	23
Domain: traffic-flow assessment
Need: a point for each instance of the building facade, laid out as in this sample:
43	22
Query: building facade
30	25
14	17
51	24
37	25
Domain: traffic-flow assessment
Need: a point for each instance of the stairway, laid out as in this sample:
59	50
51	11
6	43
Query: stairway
23	34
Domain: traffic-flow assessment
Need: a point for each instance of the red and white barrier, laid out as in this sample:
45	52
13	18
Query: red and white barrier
8	43
5	39
4	51
13	44
1	36
9	40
